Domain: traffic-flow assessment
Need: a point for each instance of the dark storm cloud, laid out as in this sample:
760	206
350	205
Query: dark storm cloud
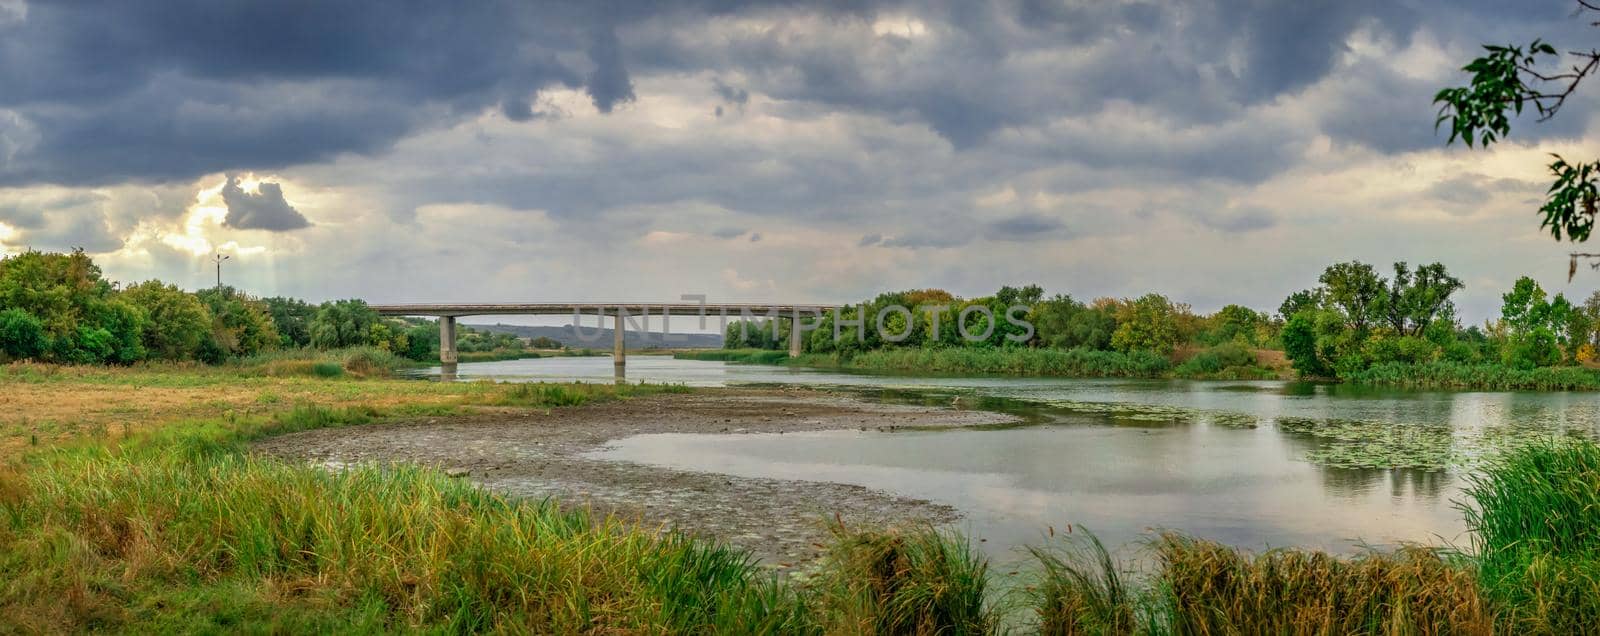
117	91
608	84
101	92
265	209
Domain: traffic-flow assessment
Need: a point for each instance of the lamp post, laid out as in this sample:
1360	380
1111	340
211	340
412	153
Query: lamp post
219	258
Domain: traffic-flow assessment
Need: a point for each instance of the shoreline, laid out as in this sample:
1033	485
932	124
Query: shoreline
539	454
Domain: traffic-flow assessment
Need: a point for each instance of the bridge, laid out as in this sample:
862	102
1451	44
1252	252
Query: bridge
621	313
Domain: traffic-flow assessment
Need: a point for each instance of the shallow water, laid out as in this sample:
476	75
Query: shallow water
1253	464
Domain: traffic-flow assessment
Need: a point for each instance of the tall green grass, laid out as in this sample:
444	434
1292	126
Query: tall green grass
1081	589
920	581
1454	375
1535	518
360	361
755	356
547	395
421	550
1005	361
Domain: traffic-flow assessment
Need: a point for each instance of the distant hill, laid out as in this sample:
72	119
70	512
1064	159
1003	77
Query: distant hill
600	338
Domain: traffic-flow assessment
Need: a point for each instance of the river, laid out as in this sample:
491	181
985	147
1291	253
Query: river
1253	464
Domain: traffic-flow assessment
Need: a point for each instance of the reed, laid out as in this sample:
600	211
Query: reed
1453	375
1535	518
919	581
1215	589
1081	589
752	356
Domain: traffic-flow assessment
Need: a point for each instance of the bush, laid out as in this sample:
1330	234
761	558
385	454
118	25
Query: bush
326	369
1230	358
21	334
372	361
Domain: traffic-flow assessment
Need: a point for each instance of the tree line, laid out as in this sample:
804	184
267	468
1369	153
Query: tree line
1355	318
1150	325
59	307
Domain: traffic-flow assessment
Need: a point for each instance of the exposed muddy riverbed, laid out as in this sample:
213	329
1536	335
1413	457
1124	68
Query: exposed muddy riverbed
544	454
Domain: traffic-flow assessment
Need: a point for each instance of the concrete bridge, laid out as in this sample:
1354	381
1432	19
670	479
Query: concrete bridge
621	314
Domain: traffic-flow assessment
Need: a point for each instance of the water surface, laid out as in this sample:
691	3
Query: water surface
1253	464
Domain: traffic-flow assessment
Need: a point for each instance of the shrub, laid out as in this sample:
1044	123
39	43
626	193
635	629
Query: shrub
1231	358
21	334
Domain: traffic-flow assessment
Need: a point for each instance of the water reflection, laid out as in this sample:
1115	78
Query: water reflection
1254	464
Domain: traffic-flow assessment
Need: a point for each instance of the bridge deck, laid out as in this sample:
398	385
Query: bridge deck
634	309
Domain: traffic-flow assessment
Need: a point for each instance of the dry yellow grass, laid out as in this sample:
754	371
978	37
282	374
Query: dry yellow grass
48	403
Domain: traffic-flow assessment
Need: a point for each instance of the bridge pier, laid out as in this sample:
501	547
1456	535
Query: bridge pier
447	347
619	355
795	333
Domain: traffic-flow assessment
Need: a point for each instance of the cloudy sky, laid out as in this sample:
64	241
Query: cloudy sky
1215	151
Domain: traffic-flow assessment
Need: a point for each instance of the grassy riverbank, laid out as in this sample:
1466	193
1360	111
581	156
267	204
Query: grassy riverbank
1225	363
171	525
1486	377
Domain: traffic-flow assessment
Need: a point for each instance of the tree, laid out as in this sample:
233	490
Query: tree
292	317
21	334
83	321
343	323
421	341
178	323
1307	299
1065	323
1537	330
241	326
1238	324
1506	79
1147	324
1300	345
1356	289
1415	299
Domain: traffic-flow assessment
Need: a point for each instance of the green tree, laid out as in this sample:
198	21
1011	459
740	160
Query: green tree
1237	324
1149	323
1357	290
178	323
21	334
343	323
1300	346
241	325
1414	299
1065	323
1304	300
1537	328
292	317
83	321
